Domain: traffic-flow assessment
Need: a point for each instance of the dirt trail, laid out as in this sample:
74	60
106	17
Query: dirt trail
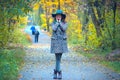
39	64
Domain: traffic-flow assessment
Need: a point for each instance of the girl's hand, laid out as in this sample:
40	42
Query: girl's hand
58	20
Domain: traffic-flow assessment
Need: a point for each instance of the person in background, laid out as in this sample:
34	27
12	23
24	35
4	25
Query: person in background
58	40
33	29
36	33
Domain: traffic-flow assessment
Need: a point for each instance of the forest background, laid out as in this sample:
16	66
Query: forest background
93	29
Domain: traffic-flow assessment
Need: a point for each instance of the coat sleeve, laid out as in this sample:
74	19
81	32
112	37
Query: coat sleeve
63	26
54	26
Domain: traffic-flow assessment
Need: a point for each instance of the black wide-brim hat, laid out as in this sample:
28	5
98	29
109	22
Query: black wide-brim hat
59	12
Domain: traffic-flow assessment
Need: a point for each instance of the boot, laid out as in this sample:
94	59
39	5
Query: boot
59	75
55	74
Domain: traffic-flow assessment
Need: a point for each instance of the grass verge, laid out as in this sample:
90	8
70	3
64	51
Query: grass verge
99	56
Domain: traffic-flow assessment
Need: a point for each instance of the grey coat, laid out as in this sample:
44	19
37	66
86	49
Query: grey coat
59	38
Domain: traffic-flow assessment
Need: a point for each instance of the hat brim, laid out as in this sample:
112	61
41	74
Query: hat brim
63	15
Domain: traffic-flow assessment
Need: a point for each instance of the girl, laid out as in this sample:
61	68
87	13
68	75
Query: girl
58	40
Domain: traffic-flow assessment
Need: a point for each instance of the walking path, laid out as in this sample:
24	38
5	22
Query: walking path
39	64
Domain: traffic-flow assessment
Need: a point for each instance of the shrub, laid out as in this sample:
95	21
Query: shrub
10	61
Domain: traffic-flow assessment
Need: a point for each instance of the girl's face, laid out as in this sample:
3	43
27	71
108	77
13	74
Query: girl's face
58	17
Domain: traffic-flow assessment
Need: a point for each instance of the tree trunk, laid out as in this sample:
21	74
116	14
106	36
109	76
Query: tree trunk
114	26
58	4
48	25
47	19
94	19
85	26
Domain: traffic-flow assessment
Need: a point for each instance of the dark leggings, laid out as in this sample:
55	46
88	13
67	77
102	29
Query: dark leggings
58	61
36	38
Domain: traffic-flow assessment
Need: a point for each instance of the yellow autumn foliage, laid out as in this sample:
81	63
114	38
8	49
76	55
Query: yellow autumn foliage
36	6
77	33
92	37
23	20
43	18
